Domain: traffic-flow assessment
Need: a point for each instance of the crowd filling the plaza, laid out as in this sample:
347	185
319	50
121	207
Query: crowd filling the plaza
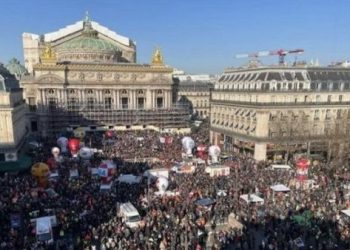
150	190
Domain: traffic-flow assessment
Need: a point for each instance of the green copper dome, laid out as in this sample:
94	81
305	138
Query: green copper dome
16	68
89	43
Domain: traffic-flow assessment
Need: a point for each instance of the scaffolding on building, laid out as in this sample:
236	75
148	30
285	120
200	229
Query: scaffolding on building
83	114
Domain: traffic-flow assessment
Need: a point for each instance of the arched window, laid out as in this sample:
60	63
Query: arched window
159	91
90	91
140	92
124	92
51	91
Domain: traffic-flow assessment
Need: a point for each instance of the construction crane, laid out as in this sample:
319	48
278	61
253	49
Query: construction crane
281	53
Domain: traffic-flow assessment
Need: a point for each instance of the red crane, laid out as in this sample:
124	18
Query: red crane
281	53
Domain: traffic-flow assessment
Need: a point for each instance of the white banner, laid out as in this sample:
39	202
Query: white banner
43	225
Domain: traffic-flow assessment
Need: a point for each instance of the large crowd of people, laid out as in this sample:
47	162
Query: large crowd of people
87	217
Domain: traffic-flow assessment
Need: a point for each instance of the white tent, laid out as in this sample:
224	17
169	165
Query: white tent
346	212
54	175
129	178
157	172
221	193
253	198
280	166
280	188
166	193
106	186
217	170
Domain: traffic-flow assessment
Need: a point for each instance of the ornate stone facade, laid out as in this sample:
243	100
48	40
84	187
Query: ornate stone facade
13	124
91	81
272	110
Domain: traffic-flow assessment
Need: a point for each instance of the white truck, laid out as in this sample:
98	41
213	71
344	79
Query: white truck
129	214
157	172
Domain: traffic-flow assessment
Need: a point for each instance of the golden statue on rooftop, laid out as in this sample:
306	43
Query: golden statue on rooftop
48	53
157	58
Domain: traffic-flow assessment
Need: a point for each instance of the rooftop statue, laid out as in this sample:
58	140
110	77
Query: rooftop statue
48	52
157	57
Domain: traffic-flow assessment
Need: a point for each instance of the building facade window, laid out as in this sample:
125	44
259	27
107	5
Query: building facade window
140	103
125	102
108	103
52	103
72	103
329	98
339	114
317	115
160	102
90	102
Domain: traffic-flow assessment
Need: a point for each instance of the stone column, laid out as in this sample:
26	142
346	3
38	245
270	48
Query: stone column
80	95
130	103
262	124
60	96
83	96
165	101
42	102
116	98
216	138
135	99
169	98
148	103
260	151
100	96
152	99
64	101
211	137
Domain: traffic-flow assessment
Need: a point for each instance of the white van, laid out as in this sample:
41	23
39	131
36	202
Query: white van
130	215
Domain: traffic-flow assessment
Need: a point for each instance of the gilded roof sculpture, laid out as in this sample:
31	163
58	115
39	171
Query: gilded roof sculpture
157	58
